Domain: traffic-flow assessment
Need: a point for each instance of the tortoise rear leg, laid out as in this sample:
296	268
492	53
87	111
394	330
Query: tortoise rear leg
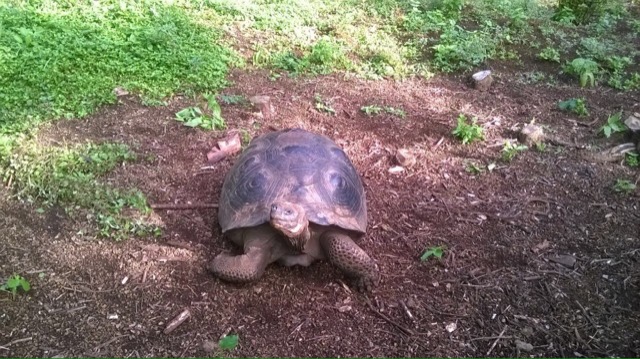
345	254
259	250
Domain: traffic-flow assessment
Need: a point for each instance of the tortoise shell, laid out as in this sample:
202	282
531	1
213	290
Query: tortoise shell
296	166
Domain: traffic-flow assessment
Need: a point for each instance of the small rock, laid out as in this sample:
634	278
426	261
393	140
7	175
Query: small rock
523	346
451	327
263	103
209	346
344	308
396	169
405	158
541	246
633	122
564	259
482	80
531	134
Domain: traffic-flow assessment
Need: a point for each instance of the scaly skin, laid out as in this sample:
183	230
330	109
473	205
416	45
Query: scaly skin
345	254
243	268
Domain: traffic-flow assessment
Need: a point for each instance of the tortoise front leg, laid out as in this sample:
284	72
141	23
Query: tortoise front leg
345	254
258	254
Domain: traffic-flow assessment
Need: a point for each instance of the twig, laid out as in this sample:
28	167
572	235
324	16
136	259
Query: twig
587	315
184	206
497	339
491	338
177	321
108	342
389	320
444	313
16	342
406	309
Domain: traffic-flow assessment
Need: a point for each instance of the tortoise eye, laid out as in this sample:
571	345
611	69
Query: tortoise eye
337	181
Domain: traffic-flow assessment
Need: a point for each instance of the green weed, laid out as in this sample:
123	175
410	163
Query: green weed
585	69
372	110
14	283
614	124
550	54
323	106
70	177
575	105
510	150
473	168
624	186
195	117
435	252
466	132
228	342
632	159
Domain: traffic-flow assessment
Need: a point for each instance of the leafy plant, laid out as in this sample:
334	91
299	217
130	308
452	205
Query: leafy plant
371	109
435	252
624	186
194	116
575	105
468	132
550	54
473	168
583	11
584	69
541	146
323	106
14	283
233	99
395	111
228	342
510	150
614	124
632	159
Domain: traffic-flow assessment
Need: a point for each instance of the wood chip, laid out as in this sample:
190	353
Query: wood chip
177	321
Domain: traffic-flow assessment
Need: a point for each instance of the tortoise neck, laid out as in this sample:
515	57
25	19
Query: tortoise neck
300	241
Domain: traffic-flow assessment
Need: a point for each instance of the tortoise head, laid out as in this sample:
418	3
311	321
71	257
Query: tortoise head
291	220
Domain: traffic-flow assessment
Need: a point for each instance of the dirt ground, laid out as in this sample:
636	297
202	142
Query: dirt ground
496	292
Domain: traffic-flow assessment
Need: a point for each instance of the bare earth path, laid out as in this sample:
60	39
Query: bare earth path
496	292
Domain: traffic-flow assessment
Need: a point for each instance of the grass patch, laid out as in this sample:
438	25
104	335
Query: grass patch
64	60
70	177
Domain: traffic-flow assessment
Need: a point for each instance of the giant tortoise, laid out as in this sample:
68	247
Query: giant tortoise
293	197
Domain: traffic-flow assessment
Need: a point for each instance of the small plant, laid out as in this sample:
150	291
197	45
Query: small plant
550	54
468	132
614	124
541	146
14	283
632	159
624	186
195	117
228	342
584	69
233	99
436	252
323	106
395	111
371	110
575	105
582	11
473	168
509	150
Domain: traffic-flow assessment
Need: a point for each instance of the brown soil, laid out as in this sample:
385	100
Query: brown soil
495	287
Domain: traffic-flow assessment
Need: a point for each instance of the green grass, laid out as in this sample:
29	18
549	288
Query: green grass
64	59
71	177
